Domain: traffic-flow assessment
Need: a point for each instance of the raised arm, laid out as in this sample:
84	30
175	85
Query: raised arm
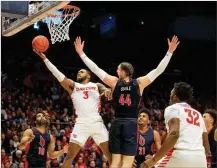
106	78
55	154
144	81
27	138
67	84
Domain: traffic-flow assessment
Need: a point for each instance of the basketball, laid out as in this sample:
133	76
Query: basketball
40	43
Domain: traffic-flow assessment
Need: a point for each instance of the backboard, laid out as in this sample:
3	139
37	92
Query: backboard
15	20
14	9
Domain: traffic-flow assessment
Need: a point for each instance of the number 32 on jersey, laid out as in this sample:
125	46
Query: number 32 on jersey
193	117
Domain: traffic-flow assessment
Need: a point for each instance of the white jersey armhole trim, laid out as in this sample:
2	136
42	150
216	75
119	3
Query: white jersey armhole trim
75	84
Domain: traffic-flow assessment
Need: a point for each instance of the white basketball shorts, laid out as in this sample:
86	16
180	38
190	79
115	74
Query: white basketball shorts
82	131
183	159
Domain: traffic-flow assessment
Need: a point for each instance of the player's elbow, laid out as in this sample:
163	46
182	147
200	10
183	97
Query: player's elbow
52	156
20	147
174	134
160	70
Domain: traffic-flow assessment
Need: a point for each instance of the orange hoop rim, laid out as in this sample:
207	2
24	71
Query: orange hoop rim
64	15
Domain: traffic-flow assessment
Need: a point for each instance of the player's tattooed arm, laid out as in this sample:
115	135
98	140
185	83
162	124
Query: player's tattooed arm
106	78
28	136
67	84
151	76
101	88
51	149
107	92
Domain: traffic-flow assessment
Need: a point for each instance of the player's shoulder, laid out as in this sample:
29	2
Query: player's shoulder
76	84
179	106
172	110
173	107
28	131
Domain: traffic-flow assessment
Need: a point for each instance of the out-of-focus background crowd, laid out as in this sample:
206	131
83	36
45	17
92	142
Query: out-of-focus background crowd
22	98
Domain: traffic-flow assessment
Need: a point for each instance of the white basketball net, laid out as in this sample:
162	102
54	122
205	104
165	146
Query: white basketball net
58	24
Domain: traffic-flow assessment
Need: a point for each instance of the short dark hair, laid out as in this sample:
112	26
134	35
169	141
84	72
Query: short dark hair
45	113
146	111
128	68
212	113
183	91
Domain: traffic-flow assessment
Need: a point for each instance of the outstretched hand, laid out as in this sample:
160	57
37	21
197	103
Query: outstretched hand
40	54
79	45
173	44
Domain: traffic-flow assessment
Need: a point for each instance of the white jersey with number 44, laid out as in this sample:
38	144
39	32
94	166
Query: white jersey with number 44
86	102
192	126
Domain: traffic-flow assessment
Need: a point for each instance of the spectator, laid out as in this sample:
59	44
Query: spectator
20	104
4	157
16	141
92	164
81	163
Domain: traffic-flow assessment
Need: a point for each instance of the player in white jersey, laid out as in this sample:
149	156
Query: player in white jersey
187	133
86	100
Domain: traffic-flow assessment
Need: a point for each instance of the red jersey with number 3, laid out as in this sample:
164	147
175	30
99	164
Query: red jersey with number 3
126	99
86	100
191	129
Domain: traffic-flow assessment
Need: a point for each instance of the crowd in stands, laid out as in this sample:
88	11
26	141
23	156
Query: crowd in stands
19	103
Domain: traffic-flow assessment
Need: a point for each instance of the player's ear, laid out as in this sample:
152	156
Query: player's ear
89	77
175	98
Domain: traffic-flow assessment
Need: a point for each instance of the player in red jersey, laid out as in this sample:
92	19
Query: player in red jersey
85	96
187	133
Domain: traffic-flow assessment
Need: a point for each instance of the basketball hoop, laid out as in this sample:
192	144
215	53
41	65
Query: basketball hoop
58	23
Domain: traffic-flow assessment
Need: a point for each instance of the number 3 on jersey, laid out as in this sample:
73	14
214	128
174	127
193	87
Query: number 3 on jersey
126	101
85	95
193	117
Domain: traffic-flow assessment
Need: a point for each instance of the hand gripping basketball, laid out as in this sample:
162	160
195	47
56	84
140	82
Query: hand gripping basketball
40	54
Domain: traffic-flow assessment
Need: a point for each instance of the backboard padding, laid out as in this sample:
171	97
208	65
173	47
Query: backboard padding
25	22
14	9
